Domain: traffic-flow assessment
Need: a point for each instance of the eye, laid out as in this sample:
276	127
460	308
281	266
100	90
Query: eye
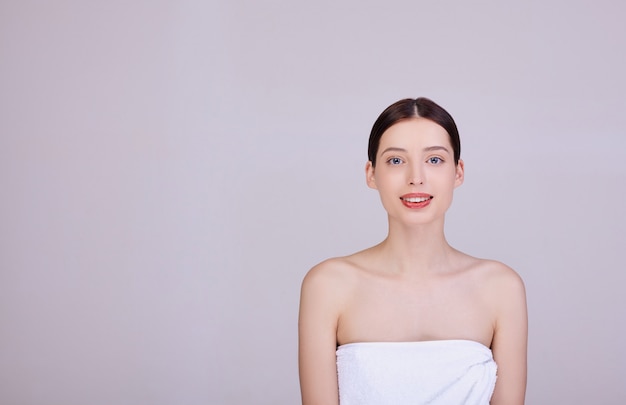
395	161
435	160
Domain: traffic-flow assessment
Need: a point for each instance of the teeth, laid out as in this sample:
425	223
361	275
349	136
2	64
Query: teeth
416	199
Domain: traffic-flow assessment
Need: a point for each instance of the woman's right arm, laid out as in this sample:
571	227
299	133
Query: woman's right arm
317	336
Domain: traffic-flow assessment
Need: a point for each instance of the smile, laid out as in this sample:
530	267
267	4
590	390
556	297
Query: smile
416	199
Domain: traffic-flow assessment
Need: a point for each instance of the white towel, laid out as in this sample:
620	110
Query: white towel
446	372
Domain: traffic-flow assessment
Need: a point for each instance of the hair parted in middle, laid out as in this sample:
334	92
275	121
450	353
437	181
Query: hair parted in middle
413	108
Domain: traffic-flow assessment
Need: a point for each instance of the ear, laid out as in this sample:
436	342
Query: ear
459	176
369	175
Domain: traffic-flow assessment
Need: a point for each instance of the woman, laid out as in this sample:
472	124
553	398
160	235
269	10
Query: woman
412	320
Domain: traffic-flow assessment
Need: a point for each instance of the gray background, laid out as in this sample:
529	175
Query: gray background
169	171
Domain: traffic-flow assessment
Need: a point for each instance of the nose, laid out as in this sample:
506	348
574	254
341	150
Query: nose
416	175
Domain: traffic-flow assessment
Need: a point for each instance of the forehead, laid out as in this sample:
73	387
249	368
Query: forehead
417	132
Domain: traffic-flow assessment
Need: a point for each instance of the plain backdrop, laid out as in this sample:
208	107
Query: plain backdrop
170	170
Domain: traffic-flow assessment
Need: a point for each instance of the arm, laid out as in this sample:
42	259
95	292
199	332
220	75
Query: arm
510	338
317	335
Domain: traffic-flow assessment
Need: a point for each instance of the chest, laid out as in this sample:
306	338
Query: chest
391	310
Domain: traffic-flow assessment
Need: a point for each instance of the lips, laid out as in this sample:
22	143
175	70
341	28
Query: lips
416	200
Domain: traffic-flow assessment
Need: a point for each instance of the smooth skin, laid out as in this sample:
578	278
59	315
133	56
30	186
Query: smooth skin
413	286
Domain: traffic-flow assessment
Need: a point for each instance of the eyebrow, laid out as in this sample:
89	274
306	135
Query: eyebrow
437	147
427	149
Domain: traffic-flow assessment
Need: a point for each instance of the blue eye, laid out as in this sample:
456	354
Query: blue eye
435	160
394	161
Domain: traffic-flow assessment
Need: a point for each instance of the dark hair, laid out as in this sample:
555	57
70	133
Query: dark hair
413	108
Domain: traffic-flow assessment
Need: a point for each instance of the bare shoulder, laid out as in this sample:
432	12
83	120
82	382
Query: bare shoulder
339	270
329	272
337	278
505	294
321	303
501	286
331	279
495	275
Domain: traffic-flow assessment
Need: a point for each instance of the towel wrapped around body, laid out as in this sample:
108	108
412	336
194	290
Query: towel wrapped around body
429	372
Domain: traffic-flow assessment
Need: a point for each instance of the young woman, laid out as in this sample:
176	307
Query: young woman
413	320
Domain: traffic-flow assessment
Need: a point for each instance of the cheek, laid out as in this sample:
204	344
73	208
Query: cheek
388	179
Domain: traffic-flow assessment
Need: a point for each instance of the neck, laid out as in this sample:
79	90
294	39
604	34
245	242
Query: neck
416	249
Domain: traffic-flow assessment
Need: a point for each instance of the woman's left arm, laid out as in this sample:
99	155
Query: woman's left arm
510	339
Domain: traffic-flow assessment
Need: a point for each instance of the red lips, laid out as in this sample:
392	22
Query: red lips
416	200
